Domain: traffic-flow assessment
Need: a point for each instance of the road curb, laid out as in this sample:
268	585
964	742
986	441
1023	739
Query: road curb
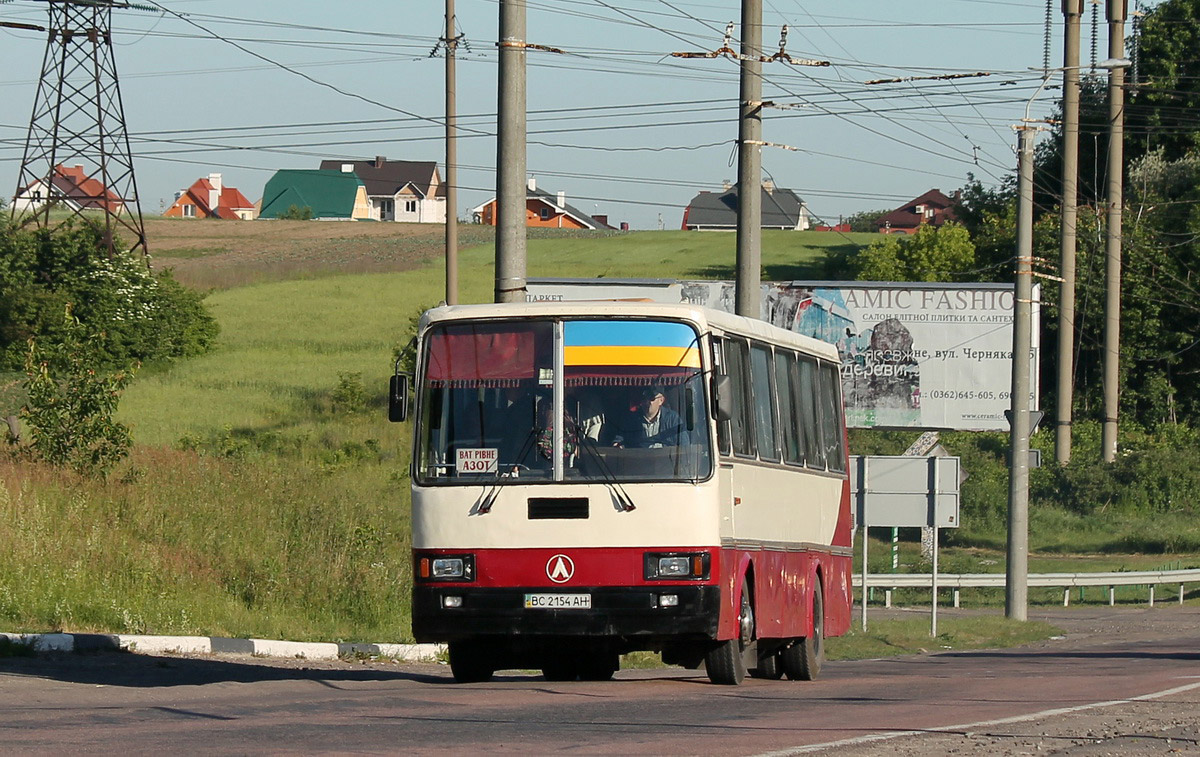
218	645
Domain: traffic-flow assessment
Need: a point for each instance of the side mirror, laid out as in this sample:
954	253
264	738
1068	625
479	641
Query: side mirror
398	398
723	397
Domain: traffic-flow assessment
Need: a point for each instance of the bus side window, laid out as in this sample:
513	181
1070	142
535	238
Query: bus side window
814	450
831	417
786	389
763	382
719	362
742	423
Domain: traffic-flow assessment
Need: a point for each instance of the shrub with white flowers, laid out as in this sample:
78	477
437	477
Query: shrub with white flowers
134	314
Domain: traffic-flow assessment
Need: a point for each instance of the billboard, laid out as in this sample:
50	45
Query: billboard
914	354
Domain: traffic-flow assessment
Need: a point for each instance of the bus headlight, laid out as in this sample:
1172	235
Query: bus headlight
674	567
667	566
447	568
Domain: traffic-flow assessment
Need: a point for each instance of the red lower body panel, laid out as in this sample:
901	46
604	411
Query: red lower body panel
782	584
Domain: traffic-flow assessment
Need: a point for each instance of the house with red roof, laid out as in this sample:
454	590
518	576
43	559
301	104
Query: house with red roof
210	198
71	187
933	208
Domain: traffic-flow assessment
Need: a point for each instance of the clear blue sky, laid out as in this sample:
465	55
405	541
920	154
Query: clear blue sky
616	123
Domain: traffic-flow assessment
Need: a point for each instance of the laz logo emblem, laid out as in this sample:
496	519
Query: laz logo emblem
560	569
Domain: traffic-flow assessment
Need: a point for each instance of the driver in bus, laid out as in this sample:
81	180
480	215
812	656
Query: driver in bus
652	424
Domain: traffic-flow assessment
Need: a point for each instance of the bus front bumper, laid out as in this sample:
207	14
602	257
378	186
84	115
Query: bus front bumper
646	612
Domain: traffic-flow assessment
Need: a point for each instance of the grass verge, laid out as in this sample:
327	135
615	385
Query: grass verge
207	545
892	637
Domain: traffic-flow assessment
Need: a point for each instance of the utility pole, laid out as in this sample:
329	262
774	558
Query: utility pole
1072	15
510	156
451	42
749	223
1112	247
1016	581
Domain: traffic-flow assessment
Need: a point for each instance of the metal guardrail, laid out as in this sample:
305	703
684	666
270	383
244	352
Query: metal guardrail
957	581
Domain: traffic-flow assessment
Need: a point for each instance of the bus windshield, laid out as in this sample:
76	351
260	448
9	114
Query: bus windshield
632	397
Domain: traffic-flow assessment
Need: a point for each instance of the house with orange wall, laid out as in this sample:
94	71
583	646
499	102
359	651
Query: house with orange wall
546	211
210	198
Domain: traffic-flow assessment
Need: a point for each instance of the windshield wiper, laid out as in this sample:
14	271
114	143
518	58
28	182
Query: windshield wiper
489	498
622	496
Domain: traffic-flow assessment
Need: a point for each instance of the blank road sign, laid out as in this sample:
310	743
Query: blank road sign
900	491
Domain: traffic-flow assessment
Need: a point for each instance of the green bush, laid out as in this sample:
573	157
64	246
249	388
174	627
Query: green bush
135	314
1146	482
297	213
350	395
71	403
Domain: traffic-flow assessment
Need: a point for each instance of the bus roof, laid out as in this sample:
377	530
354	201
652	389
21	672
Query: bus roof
700	316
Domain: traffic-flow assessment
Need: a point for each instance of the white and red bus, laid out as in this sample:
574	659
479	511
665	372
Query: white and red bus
694	499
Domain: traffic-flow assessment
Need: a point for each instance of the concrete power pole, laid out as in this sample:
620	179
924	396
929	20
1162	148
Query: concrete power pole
451	42
1072	14
510	156
1112	279
1016	583
749	222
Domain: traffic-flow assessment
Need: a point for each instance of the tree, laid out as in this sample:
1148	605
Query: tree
864	220
1162	107
138	315
72	399
1093	149
932	254
1160	297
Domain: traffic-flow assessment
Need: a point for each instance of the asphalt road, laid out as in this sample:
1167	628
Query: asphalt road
1122	681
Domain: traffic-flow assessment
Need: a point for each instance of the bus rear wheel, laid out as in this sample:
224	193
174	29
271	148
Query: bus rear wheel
724	663
470	662
802	660
770	666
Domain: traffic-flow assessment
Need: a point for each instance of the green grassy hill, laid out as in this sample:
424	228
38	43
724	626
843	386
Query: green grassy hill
267	495
284	344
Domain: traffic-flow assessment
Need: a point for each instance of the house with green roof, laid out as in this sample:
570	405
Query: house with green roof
331	195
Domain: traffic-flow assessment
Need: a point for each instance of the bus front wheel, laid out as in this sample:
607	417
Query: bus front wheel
802	660
724	663
470	662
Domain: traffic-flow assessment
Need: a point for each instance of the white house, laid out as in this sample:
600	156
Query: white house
398	190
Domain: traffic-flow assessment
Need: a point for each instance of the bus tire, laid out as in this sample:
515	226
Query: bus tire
470	662
802	660
769	667
724	663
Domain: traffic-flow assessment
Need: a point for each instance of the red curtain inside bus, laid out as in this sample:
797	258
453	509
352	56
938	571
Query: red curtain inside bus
482	355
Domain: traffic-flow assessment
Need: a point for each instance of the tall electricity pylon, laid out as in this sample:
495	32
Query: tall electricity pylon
78	120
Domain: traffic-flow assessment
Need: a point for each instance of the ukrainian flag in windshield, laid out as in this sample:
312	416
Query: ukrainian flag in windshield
630	343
